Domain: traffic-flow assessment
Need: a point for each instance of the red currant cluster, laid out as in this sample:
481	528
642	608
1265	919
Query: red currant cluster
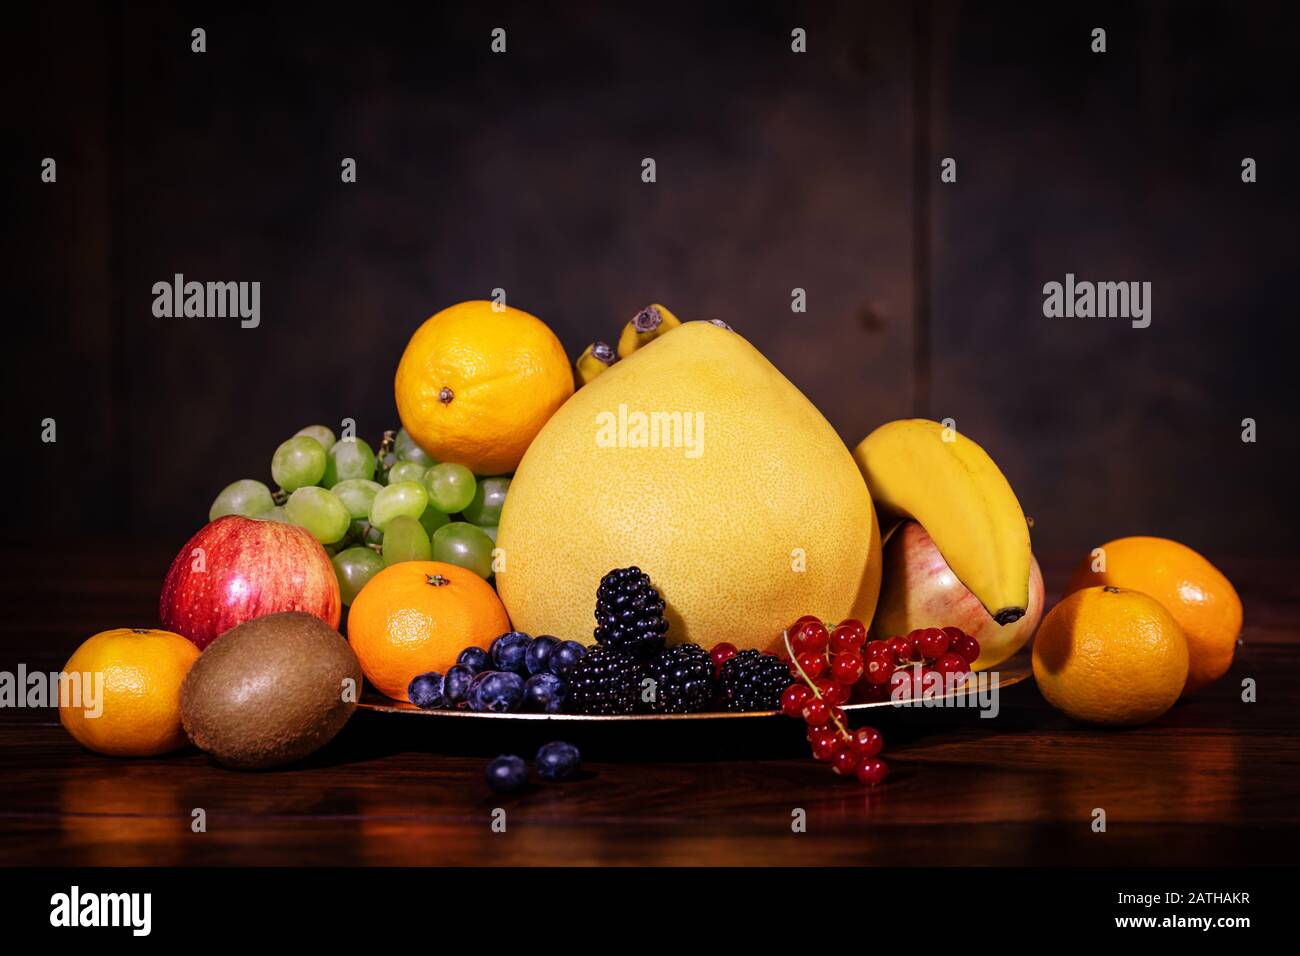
906	663
826	665
834	661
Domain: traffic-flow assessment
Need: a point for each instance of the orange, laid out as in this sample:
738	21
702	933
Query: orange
417	616
1110	656
475	385
136	674
1195	592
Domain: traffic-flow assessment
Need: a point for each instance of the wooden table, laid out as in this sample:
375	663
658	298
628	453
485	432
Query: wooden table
1216	781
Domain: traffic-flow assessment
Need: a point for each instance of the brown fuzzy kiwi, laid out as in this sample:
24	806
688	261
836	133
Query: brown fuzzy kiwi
270	691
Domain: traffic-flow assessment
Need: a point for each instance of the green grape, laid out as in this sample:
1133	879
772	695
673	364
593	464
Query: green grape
488	529
244	497
373	535
348	459
320	512
406	471
488	499
297	463
354	568
433	519
451	487
319	432
357	495
406	449
466	545
275	514
405	540
404	498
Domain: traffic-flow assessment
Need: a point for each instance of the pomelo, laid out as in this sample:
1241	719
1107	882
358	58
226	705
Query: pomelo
697	461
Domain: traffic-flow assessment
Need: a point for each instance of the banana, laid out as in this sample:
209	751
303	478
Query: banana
595	358
916	468
646	326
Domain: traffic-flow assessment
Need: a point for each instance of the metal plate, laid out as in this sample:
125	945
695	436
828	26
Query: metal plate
1009	673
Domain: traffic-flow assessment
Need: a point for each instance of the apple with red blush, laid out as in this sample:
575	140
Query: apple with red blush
919	590
235	569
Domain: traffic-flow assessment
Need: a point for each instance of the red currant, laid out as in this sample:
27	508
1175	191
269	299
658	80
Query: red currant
825	745
967	647
905	683
904	648
793	698
845	759
932	643
878	669
930	681
872	771
951	663
810	637
867	741
813	664
848	635
722	653
818	733
877	650
847	668
806	619
836	694
816	712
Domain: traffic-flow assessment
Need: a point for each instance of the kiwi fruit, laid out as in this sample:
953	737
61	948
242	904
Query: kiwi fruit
270	691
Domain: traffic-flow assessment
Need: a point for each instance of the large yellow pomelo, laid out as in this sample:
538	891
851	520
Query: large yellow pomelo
697	461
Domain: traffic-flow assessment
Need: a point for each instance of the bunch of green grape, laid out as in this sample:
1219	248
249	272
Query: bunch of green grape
370	511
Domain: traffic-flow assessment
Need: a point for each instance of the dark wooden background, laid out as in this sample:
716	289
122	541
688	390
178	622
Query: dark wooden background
775	171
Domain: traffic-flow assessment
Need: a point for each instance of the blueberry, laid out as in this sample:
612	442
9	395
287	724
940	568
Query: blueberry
496	692
476	659
564	656
538	655
545	693
509	651
506	774
455	686
425	690
558	761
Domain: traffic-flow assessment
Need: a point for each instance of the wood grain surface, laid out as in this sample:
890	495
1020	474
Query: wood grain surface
1215	781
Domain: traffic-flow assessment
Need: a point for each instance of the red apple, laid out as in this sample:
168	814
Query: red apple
236	569
918	589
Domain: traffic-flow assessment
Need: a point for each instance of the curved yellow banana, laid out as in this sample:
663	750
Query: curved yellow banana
644	327
918	469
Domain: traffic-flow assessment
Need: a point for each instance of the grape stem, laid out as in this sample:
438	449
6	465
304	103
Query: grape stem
785	636
386	446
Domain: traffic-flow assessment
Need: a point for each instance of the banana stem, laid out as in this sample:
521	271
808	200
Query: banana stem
647	320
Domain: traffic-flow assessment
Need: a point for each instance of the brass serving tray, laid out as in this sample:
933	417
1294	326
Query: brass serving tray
1008	674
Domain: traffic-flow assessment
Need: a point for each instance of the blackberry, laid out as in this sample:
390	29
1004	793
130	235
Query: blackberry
605	681
753	681
683	677
630	613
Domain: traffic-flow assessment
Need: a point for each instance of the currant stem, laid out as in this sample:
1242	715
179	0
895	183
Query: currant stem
785	636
